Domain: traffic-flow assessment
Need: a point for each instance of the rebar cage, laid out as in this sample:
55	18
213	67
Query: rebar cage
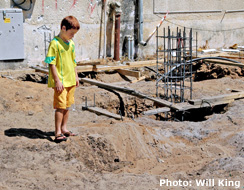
174	57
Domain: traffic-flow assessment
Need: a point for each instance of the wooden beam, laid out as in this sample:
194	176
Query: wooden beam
186	106
40	69
210	101
219	98
232	56
129	91
103	112
142	63
137	80
12	72
90	62
90	66
156	111
135	74
96	68
223	62
86	68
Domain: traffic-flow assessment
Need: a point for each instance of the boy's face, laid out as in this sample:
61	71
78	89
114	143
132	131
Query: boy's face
68	34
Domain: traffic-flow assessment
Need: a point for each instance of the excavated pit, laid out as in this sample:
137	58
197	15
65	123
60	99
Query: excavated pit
132	107
34	77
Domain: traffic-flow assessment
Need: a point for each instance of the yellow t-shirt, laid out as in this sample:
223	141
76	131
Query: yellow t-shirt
62	55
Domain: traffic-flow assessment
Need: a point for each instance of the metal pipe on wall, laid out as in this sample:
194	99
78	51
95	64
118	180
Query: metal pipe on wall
104	19
140	10
117	8
187	12
117	36
129	41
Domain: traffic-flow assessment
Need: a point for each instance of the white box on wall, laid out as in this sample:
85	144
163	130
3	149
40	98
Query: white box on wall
11	34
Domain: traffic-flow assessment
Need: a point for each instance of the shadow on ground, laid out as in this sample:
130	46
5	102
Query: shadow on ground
29	133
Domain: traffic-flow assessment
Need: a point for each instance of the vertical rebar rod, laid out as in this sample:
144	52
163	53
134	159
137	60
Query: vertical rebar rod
170	59
177	57
180	61
167	65
86	102
164	49
157	50
190	64
184	54
50	37
45	43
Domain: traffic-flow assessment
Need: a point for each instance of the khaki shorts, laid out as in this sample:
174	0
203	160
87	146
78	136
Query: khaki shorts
64	99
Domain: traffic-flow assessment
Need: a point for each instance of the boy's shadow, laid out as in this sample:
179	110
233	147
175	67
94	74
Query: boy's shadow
29	133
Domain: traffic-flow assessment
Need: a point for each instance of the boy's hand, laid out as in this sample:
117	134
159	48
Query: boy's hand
77	78
59	86
77	82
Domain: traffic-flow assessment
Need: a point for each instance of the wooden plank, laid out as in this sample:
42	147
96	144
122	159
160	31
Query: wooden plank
232	56
12	72
103	112
129	91
156	111
186	106
40	69
135	74
86	68
137	80
96	68
219	98
142	63
90	66
90	62
223	62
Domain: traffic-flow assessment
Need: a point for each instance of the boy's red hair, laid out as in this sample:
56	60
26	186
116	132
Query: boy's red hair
70	22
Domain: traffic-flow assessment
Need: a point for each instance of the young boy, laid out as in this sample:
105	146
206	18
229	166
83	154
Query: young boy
63	76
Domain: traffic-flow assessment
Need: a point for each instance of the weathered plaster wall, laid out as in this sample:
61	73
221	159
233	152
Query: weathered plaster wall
219	29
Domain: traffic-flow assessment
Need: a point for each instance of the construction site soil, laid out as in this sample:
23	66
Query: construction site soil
110	154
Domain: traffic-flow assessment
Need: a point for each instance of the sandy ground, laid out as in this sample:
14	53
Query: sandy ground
118	155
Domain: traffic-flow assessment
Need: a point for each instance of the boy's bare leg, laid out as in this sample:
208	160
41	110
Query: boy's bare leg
58	121
64	121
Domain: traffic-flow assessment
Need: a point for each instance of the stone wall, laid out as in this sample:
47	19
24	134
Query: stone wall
218	29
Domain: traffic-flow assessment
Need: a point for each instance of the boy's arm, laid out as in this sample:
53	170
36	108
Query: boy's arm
58	84
77	78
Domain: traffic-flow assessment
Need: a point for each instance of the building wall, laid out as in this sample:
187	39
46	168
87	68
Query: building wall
217	30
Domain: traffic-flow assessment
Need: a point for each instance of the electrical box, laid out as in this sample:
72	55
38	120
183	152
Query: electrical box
11	34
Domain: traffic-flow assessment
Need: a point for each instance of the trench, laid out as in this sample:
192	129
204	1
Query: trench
34	77
134	107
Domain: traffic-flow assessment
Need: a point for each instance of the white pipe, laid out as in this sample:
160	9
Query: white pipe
104	45
234	11
140	10
187	12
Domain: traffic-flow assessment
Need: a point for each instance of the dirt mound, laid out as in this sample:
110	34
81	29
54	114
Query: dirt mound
213	71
